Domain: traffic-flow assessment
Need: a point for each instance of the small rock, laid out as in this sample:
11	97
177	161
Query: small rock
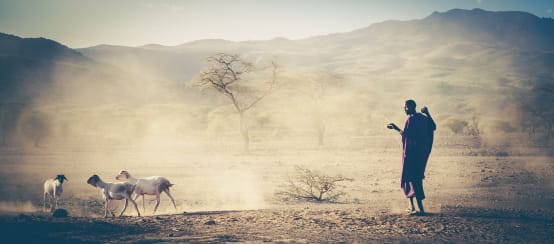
170	235
60	213
23	217
210	222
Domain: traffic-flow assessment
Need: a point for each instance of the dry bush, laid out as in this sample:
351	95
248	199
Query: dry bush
312	186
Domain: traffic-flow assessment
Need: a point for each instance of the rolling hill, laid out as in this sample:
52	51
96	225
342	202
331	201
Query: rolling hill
464	64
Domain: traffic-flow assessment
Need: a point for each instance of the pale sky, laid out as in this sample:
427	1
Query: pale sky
81	23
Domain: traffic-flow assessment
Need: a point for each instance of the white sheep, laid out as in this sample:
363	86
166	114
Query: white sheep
114	191
153	185
53	188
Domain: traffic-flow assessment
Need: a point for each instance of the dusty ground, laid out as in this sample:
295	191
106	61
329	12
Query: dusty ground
473	196
320	224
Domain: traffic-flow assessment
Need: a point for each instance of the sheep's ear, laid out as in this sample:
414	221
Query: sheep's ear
65	178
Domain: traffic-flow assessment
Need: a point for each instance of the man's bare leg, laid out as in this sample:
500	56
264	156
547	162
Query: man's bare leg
420	206
411	208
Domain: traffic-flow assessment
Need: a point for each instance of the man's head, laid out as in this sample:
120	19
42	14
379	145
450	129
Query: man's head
410	107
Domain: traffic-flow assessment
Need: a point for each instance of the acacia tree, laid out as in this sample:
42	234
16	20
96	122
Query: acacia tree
316	85
541	107
231	75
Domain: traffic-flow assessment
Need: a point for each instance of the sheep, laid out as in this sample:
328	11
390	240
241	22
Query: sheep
53	188
153	185
114	191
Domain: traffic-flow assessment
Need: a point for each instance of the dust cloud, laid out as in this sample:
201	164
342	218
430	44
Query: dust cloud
100	120
18	207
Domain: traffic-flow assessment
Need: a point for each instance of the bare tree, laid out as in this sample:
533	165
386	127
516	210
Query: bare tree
230	75
316	86
543	99
313	186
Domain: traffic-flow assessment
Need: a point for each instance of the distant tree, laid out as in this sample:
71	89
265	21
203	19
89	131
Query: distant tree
312	186
535	107
473	128
456	125
315	86
542	98
232	76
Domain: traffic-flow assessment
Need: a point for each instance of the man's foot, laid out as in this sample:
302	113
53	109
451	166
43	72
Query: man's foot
410	210
417	213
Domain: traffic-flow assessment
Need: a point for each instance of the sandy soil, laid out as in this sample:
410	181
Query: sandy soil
472	197
311	224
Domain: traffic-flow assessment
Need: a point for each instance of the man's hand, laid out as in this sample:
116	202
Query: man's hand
392	126
425	110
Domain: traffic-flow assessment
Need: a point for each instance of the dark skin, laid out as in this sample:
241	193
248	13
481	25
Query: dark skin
412	110
408	110
425	111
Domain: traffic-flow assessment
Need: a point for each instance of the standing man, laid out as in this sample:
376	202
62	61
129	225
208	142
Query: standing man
417	140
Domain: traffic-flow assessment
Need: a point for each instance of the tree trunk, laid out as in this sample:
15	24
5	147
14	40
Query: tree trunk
320	126
244	133
321	134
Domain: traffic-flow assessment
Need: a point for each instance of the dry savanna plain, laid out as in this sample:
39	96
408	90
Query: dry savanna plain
183	111
474	194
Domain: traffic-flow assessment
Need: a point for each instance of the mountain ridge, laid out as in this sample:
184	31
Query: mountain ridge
455	66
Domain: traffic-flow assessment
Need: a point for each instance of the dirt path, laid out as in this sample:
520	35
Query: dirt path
331	223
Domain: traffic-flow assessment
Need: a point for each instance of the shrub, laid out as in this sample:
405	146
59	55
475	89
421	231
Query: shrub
312	186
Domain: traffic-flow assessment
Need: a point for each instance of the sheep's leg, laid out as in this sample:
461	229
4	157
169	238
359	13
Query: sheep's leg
170	197
135	205
124	206
50	204
143	207
106	208
56	199
157	202
135	200
44	202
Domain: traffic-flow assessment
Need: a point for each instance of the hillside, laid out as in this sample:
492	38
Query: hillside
454	33
27	65
454	62
41	81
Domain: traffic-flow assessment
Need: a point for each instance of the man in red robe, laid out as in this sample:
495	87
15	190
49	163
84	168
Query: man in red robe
417	141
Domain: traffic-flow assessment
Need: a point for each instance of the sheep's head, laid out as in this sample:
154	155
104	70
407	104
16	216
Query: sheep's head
93	180
60	178
123	175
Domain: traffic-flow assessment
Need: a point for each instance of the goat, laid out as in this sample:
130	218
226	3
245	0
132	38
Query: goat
153	185
53	187
114	191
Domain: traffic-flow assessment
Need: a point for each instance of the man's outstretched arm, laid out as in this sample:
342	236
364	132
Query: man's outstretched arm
392	126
